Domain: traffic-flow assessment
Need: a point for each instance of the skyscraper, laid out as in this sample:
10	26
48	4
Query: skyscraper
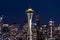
37	25
51	30
1	28
37	20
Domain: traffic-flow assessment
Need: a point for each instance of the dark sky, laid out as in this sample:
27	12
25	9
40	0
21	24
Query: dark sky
14	10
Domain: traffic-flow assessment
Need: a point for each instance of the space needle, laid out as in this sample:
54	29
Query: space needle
30	13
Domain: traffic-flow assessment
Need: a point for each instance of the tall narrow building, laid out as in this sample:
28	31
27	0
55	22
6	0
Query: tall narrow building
37	25
37	20
6	32
51	29
1	28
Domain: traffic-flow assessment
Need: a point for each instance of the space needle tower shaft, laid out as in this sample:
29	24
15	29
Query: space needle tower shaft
30	15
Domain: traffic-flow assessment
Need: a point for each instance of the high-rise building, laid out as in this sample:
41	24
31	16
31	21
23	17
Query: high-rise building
34	34
6	31
44	30
1	28
25	31
58	32
38	20
37	25
14	31
51	29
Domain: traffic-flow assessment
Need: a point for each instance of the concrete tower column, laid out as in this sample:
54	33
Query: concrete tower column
30	15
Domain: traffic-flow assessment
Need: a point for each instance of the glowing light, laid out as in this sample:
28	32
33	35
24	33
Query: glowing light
51	21
5	24
30	9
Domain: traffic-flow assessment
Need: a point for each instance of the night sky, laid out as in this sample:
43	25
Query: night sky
14	10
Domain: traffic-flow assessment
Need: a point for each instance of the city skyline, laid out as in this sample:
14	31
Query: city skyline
13	10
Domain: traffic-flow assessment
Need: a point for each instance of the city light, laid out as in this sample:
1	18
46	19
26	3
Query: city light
30	30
